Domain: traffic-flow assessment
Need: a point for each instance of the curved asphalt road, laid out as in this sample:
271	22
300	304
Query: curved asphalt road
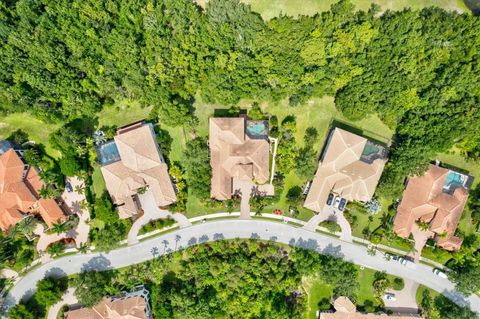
230	229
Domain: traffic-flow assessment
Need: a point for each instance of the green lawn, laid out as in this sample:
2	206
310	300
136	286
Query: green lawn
317	290
98	181
272	8
122	113
37	130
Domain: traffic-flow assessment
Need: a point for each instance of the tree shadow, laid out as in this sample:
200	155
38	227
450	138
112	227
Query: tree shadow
192	241
218	236
255	236
99	263
55	273
203	239
334	251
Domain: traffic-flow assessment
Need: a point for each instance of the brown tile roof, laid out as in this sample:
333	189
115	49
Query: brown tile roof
129	308
343	172
345	309
425	199
233	154
19	193
141	164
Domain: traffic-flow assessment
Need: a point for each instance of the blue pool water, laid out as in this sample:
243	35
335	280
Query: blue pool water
108	153
257	128
453	180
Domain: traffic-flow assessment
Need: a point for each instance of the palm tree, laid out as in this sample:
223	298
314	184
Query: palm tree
26	226
55	249
49	192
83	248
423	226
59	227
79	189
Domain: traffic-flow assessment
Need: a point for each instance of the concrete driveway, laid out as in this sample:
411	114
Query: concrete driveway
152	212
420	237
405	299
68	298
332	214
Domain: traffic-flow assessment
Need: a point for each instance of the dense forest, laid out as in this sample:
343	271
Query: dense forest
418	70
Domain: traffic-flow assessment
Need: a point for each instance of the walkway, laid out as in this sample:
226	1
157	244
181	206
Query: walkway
420	237
152	212
232	229
68	298
331	214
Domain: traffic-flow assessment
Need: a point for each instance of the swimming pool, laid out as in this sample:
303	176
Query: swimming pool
453	180
257	128
108	153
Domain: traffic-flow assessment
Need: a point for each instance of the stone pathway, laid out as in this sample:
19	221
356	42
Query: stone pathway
68	298
80	234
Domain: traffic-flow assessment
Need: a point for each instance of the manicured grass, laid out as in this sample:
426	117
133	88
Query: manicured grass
272	8
122	113
316	291
98	181
37	130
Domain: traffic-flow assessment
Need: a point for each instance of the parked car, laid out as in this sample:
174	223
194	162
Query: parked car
389	296
330	199
440	273
68	187
343	203
336	201
402	261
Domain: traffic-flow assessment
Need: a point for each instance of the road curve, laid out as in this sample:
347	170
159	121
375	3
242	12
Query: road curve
231	229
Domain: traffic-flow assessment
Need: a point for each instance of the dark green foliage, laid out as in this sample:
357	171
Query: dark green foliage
21	312
466	273
255	113
197	168
156	224
306	162
109	229
474	204
49	291
92	286
18	137
294	195
398	283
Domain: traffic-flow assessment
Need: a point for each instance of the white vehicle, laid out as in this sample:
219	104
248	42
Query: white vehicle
389	296
336	201
440	273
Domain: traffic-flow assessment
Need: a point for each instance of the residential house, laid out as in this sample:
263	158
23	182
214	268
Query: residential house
350	167
20	187
133	305
239	151
345	309
438	198
131	165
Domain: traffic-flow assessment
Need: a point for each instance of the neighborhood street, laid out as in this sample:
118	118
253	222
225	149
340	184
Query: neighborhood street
231	229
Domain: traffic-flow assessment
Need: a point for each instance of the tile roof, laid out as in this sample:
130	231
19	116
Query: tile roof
343	171
233	154
345	309
19	193
425	199
140	164
128	308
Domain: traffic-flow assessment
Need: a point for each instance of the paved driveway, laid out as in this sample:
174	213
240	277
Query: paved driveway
405	299
232	229
332	214
152	212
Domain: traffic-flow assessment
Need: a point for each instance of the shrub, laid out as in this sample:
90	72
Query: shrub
398	283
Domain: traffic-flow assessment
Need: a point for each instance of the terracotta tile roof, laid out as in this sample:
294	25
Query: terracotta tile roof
140	164
342	171
19	193
425	199
233	154
129	308
345	309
